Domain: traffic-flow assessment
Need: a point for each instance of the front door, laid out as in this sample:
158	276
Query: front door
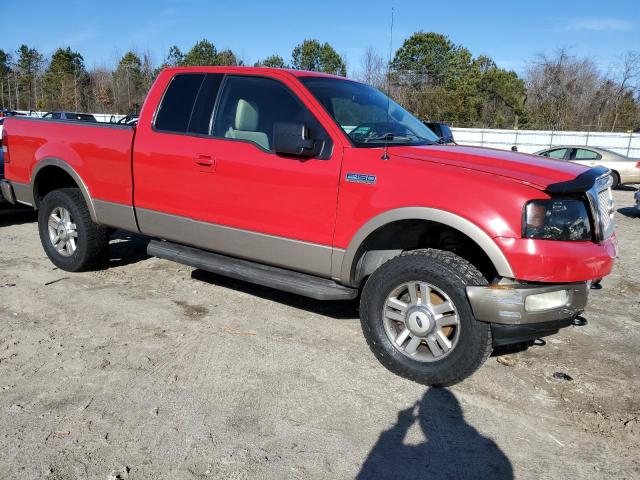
228	191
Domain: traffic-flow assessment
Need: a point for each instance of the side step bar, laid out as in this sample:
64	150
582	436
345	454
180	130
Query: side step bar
274	277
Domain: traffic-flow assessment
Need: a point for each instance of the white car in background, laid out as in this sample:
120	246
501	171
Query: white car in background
623	169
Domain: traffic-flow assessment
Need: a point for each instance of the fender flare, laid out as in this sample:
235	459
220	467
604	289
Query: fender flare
470	229
56	162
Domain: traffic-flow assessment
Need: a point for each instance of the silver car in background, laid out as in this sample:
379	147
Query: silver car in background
624	170
637	197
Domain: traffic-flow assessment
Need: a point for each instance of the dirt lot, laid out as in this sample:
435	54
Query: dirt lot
149	369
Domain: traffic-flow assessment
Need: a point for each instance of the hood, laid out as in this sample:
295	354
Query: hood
529	169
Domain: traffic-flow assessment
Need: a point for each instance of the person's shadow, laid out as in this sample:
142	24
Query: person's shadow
452	449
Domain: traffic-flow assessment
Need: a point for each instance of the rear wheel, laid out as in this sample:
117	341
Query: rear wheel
418	322
69	237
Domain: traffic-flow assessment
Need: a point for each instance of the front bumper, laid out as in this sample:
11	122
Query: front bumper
511	334
629	176
547	261
506	304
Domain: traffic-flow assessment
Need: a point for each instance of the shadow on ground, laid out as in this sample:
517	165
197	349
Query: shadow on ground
10	215
452	448
127	248
630	212
340	310
626	188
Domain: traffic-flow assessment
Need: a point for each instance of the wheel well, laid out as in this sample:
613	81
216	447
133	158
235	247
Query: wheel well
404	235
51	178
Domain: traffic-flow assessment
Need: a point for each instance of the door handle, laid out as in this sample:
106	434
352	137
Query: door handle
204	160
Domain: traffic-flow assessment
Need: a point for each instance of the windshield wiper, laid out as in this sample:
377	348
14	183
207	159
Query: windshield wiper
390	137
387	137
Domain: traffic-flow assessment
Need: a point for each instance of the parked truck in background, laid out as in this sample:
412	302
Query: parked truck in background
320	186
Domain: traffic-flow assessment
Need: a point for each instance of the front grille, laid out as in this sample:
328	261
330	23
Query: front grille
602	207
605	210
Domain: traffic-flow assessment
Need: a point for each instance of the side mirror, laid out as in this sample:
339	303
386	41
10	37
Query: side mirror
292	138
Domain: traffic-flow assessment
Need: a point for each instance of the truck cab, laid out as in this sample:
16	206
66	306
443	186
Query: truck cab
322	186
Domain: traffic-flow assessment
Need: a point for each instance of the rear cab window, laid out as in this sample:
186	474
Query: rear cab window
584	154
187	104
177	103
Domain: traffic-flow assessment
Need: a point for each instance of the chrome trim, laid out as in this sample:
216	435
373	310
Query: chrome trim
82	123
115	215
264	248
500	262
421	321
505	304
603	226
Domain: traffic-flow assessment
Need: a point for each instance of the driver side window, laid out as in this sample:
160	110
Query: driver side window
251	106
558	153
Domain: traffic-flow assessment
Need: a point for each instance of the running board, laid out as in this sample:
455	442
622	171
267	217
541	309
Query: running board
274	277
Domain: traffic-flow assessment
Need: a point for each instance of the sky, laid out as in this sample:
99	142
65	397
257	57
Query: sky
511	32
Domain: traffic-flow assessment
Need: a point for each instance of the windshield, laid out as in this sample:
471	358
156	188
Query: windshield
366	115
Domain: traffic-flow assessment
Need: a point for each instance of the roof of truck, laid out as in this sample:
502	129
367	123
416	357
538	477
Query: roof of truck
253	70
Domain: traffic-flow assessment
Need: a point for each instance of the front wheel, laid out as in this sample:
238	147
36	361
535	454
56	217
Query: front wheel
615	183
69	237
418	322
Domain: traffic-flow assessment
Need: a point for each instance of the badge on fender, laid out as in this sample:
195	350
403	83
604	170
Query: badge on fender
361	178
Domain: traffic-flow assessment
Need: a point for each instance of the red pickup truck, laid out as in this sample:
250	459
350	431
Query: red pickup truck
321	186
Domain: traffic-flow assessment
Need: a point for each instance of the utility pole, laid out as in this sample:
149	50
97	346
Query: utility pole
127	66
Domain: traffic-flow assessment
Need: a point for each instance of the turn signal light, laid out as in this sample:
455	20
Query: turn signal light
638	165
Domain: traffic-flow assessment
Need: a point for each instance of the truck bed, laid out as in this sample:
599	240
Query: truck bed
100	153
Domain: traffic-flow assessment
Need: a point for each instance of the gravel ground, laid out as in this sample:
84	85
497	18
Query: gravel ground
149	369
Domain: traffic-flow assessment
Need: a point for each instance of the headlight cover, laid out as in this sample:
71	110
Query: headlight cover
556	220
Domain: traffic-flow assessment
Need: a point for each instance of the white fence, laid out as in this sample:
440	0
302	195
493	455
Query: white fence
530	141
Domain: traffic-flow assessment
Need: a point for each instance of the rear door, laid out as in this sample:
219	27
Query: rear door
172	163
585	156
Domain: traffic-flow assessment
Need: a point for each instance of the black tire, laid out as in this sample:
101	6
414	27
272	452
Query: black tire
449	273
616	180
92	240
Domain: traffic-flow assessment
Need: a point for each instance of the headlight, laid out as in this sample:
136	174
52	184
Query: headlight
556	220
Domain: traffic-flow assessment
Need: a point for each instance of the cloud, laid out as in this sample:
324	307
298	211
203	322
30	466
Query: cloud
600	24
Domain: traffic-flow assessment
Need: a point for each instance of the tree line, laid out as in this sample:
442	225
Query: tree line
429	75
